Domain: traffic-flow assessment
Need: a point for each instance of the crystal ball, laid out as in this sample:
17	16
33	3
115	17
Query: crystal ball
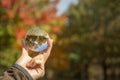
36	39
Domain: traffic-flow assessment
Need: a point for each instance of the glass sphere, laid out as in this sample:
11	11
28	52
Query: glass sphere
36	39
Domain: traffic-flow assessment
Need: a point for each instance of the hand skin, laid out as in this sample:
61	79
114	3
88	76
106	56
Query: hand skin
36	65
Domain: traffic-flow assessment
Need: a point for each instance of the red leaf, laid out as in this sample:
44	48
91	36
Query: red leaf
29	22
19	32
45	16
6	3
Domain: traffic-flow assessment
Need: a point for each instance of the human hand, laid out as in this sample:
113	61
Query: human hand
36	65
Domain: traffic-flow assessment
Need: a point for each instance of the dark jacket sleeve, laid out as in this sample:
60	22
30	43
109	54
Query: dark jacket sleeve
16	72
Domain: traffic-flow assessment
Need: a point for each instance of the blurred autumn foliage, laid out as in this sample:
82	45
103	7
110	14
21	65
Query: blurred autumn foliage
17	16
86	37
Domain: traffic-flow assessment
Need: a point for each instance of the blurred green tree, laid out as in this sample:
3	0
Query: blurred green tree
92	31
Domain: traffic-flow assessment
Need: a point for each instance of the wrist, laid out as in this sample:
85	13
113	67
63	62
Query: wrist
29	77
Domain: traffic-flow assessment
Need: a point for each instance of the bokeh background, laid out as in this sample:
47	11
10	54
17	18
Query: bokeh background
86	36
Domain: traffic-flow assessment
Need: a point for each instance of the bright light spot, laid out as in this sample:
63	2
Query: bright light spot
63	5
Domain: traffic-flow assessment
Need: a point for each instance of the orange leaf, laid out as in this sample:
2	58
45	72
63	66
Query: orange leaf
56	29
9	14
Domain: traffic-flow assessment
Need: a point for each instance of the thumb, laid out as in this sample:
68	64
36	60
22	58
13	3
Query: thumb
24	47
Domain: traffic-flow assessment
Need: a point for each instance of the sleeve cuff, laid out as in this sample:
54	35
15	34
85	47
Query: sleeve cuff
23	70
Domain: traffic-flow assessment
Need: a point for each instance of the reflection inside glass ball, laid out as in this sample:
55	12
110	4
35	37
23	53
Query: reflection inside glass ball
36	39
36	43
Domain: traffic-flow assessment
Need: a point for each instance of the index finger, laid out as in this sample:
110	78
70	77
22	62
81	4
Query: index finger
47	51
